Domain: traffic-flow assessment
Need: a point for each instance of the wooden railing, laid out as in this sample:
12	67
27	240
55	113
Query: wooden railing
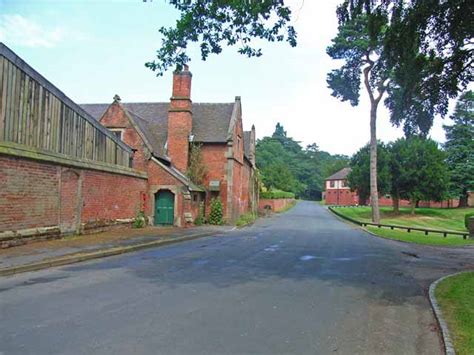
445	233
36	114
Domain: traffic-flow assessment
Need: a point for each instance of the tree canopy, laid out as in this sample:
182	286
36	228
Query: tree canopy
427	47
418	170
285	165
217	23
459	147
411	168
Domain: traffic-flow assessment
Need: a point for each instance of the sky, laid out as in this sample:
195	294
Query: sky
94	49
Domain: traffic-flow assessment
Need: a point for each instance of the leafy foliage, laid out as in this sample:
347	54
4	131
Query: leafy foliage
419	171
359	177
216	214
426	50
459	147
200	219
139	221
276	194
285	165
245	219
196	169
217	23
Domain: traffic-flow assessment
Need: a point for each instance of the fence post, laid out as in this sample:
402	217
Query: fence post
470	226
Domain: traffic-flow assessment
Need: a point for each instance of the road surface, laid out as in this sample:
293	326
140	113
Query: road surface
302	282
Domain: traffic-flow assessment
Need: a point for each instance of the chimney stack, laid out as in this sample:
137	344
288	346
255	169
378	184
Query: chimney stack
180	119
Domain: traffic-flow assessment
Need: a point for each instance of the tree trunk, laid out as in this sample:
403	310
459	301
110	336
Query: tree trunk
396	204
374	193
463	199
413	203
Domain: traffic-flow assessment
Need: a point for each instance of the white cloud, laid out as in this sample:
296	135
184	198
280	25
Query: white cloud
27	32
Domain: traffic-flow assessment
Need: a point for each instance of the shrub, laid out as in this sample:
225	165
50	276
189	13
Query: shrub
139	221
200	220
466	219
216	214
276	194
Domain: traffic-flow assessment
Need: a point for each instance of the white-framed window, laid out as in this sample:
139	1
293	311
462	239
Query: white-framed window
118	132
332	183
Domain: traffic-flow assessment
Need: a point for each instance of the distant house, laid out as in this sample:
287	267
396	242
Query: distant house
337	190
338	193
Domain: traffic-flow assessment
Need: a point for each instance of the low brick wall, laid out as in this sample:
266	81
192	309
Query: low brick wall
276	205
40	200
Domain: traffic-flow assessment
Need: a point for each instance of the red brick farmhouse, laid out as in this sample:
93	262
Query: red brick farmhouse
161	132
62	171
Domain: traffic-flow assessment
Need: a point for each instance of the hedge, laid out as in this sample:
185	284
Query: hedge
466	219
276	194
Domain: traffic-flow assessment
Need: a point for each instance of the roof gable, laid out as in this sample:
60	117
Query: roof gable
340	175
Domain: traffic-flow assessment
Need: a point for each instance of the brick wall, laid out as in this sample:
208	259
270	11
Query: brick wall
111	196
276	205
29	194
35	194
344	197
214	158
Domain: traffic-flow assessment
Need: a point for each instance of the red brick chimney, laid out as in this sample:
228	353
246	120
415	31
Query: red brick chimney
180	119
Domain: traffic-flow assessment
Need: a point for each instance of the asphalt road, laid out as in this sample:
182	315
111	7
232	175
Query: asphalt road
302	282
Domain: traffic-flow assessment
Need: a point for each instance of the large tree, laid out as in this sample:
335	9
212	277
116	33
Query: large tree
418	170
417	53
360	44
459	147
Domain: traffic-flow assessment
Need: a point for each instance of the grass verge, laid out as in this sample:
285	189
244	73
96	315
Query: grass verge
420	237
431	218
455	297
245	219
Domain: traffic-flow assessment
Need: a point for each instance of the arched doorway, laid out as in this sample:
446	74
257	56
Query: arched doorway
164	207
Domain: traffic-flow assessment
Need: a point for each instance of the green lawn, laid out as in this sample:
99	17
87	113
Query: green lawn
455	297
420	237
430	218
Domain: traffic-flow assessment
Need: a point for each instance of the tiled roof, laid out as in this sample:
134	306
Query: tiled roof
340	175
247	137
210	121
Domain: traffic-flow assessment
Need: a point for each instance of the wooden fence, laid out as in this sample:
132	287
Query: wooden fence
36	114
391	226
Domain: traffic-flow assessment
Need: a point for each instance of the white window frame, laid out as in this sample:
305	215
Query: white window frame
121	130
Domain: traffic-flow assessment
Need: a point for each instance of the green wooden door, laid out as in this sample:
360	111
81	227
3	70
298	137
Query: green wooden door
164	208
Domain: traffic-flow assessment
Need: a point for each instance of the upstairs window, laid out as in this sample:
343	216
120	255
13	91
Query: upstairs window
118	132
332	183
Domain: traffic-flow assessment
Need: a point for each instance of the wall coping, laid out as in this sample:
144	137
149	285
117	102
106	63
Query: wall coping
21	151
